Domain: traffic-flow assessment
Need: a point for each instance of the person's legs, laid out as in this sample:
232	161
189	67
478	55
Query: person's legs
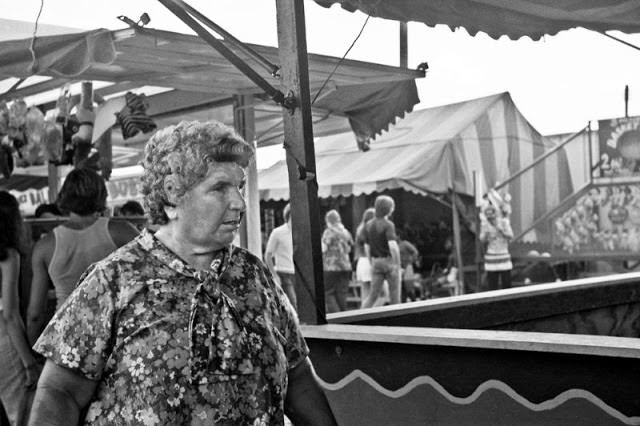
492	280
505	279
330	299
15	397
288	282
343	279
394	280
365	289
377	278
363	277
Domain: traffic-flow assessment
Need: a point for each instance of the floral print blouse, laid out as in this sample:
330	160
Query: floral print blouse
170	345
336	242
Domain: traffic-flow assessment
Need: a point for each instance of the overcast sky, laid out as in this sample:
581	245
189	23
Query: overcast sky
559	83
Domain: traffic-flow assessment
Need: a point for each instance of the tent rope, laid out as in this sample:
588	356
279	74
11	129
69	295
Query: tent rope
340	61
33	67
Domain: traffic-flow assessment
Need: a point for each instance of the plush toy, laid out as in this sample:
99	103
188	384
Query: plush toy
133	117
52	140
17	121
32	152
4	119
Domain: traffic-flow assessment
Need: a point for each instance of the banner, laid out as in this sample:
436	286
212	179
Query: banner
619	142
119	191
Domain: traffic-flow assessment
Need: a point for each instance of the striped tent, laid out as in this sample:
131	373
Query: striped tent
437	149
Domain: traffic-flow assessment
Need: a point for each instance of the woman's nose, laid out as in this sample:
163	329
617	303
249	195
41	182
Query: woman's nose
237	200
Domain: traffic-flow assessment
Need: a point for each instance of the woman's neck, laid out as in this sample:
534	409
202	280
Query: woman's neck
77	221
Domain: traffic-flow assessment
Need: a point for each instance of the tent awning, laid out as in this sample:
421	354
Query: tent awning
139	57
514	18
438	149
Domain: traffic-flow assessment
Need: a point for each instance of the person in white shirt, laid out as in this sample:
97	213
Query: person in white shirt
279	256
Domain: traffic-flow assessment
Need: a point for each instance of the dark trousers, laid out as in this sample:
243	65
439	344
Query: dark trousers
498	279
336	289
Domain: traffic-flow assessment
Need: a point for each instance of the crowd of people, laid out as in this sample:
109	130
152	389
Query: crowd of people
174	326
379	263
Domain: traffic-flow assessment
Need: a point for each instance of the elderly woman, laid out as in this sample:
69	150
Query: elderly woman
181	327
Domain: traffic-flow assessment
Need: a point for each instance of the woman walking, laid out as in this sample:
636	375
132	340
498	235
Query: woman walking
336	247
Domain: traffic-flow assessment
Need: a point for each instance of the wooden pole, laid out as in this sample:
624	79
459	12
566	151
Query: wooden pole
244	123
52	179
404	56
298	141
456	224
476	219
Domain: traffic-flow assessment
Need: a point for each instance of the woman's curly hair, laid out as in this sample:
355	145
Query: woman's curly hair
185	151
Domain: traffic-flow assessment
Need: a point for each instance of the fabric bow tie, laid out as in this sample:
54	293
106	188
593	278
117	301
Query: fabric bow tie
217	336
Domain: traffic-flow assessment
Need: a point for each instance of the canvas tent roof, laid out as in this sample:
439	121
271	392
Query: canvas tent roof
434	150
533	18
136	57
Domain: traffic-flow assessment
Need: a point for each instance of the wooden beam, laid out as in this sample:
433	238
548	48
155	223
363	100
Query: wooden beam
559	343
307	253
404	50
33	89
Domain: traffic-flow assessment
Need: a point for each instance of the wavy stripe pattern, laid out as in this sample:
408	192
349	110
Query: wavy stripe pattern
482	388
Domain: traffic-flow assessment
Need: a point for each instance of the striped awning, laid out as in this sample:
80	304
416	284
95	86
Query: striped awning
438	149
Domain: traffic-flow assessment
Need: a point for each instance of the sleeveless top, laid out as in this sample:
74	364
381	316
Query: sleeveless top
75	250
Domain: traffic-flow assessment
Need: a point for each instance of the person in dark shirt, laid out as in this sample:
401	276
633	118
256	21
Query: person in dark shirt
381	246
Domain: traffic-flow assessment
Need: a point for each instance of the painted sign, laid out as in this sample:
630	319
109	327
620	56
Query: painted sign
604	220
619	142
119	191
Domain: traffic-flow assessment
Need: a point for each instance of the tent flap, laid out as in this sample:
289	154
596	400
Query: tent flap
533	18
371	107
66	55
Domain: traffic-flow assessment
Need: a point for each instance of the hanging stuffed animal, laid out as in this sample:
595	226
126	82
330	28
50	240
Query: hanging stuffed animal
32	152
6	155
56	151
133	117
4	119
52	140
17	121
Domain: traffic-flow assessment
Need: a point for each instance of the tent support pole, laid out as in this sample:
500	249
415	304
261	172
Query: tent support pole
244	123
52	174
404	55
456	225
301	163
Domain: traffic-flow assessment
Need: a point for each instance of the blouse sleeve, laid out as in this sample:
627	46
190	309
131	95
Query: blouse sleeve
288	327
79	334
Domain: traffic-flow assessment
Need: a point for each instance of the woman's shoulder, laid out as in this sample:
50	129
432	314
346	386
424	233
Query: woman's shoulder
10	254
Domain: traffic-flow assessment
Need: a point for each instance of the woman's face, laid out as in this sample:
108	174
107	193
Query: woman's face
209	214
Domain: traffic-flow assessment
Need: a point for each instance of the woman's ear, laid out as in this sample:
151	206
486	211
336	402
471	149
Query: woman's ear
171	189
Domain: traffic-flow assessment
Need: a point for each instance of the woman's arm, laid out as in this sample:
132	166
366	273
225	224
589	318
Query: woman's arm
61	396
10	268
36	312
305	403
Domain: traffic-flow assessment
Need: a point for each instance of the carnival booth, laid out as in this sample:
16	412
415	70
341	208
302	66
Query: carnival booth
431	157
